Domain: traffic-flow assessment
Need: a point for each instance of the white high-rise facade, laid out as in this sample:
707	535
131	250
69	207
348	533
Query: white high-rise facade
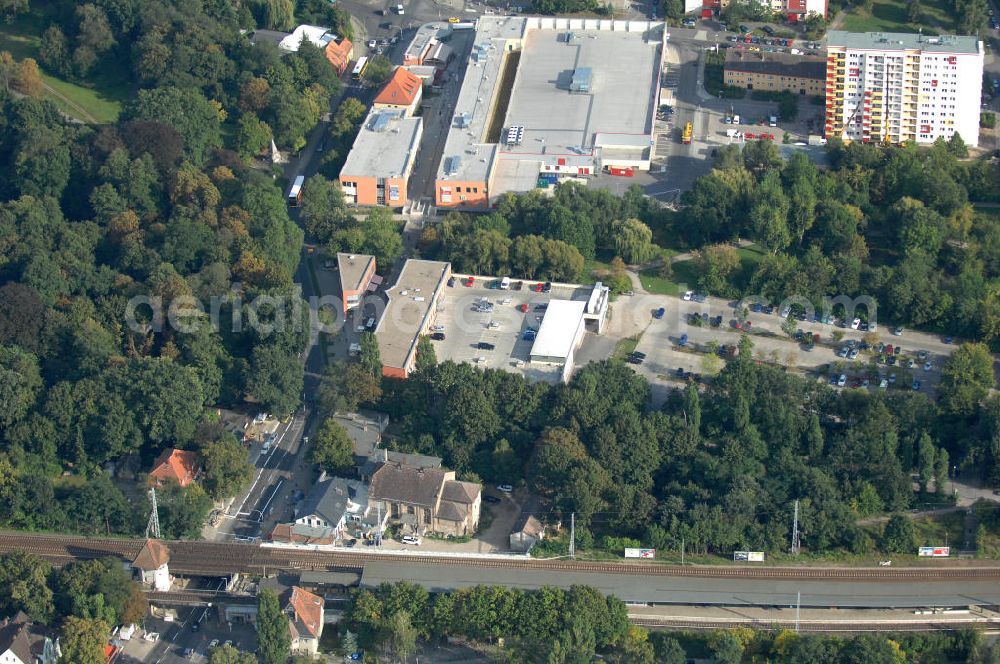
896	87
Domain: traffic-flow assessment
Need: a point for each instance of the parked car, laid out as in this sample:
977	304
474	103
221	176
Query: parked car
437	336
469	281
523	308
411	539
658	314
842	380
483	345
491	499
687	296
897	331
683	340
928	366
505	488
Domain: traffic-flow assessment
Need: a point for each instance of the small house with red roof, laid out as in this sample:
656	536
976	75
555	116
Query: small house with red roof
179	466
403	91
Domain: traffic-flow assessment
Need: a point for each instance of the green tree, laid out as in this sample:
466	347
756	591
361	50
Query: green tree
323	210
253	136
379	70
274	378
941	468
668	650
182	511
426	357
20	384
331	447
11	8
716	264
399	637
966	378
24	586
227	467
726	647
83	640
692	410
227	654
187	111
273	638
633	241
899	535
371	360
925	460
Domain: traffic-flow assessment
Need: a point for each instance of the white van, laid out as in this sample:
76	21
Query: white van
505	283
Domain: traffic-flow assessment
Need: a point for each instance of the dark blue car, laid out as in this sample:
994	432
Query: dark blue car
683	340
659	313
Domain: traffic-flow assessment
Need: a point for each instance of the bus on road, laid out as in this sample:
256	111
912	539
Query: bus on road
295	193
359	68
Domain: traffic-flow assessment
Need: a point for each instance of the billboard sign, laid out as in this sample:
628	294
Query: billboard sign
934	551
640	553
748	556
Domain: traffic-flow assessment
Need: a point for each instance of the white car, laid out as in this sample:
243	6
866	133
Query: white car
411	539
928	366
842	380
872	326
399	9
883	384
506	488
437	328
856	323
372	43
213	644
688	295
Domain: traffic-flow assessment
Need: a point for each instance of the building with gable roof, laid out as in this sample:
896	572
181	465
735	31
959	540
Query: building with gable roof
305	613
339	52
153	565
426	500
22	642
175	465
402	92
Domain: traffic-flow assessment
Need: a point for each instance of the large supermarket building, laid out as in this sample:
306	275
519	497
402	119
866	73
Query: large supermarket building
602	75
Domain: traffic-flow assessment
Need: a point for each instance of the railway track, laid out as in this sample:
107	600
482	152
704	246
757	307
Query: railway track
214	558
668	623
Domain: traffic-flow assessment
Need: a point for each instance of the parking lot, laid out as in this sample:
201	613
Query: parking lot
178	643
665	356
465	328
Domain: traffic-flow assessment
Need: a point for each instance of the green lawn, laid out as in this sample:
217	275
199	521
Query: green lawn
98	101
890	16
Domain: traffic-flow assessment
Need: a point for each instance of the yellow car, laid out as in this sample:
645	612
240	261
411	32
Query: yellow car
454	19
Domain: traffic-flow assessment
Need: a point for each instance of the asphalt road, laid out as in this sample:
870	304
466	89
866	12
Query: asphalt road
277	475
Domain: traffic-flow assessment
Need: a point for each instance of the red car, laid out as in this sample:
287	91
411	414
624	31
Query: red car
538	288
751	135
470	281
523	308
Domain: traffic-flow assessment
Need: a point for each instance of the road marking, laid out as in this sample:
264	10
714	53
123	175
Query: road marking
261	471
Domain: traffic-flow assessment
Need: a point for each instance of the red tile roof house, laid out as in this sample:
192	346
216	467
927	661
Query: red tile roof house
305	620
178	465
403	91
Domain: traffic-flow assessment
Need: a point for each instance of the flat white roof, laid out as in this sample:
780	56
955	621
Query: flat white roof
317	35
560	324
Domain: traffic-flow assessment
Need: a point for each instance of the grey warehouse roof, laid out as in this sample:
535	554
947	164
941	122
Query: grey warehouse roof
903	41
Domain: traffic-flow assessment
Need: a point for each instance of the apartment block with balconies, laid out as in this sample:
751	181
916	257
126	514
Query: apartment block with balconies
897	87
